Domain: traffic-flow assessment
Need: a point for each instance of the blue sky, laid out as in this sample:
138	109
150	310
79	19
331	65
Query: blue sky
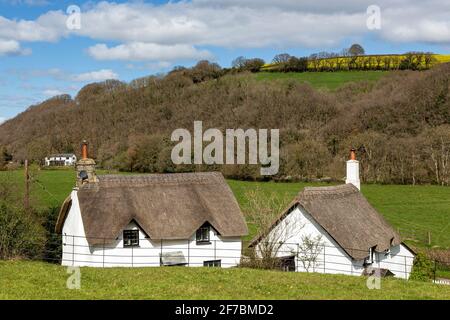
41	57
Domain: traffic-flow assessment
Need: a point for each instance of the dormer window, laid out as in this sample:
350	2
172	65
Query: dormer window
130	238
370	258
202	235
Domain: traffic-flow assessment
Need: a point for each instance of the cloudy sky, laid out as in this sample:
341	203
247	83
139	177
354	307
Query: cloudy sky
46	50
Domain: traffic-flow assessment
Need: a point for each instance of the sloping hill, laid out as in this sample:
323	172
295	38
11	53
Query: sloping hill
129	126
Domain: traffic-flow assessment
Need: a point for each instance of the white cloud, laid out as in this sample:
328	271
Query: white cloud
261	23
150	66
100	75
58	74
12	47
49	27
27	2
147	51
52	92
2	119
182	30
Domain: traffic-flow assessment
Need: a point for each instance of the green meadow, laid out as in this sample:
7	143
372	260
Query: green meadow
326	80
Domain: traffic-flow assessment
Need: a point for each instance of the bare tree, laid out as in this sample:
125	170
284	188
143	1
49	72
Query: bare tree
428	59
239	62
281	58
345	52
262	211
387	62
309	250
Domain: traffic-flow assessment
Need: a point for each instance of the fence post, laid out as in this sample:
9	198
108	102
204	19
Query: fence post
73	250
434	275
189	252
103	258
296	256
132	255
215	245
161	251
429	238
406	270
324	256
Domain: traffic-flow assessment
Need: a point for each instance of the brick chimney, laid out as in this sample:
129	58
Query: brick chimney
85	167
353	170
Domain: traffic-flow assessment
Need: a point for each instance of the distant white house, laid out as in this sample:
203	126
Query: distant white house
335	230
189	219
60	160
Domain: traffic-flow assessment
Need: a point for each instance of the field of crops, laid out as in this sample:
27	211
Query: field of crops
442	58
388	61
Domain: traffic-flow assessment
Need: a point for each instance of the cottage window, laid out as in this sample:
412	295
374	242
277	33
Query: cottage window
370	258
212	263
202	235
130	238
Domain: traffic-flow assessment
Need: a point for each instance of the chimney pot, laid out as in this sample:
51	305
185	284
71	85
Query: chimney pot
84	150
85	167
352	154
353	170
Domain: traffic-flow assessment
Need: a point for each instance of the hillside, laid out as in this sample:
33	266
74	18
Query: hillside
39	280
397	123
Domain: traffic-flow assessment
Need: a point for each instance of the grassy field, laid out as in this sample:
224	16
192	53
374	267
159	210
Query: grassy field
39	280
416	210
327	80
49	188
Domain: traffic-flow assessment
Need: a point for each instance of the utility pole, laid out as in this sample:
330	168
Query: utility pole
27	188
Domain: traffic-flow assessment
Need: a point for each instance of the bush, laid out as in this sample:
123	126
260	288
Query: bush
53	243
21	235
266	263
423	268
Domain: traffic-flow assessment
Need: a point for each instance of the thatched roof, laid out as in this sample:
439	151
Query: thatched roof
344	213
165	206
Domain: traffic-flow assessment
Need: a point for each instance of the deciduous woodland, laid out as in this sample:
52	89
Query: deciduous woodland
399	124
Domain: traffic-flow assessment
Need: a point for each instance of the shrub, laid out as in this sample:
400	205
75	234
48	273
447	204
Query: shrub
21	235
53	243
423	269
265	263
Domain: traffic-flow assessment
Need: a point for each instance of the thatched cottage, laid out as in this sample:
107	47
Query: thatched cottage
150	220
335	230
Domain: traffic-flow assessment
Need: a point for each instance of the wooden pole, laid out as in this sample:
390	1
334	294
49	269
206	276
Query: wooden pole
429	238
27	188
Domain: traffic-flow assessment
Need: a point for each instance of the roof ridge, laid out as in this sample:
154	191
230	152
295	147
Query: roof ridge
158	178
342	189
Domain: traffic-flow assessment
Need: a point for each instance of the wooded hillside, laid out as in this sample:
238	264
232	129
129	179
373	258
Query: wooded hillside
400	124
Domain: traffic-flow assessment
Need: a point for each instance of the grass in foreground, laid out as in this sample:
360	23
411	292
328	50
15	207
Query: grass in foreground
327	80
39	280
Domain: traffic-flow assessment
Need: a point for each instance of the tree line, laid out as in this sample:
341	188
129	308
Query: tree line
353	58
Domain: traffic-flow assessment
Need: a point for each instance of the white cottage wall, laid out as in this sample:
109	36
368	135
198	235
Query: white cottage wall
332	258
77	252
